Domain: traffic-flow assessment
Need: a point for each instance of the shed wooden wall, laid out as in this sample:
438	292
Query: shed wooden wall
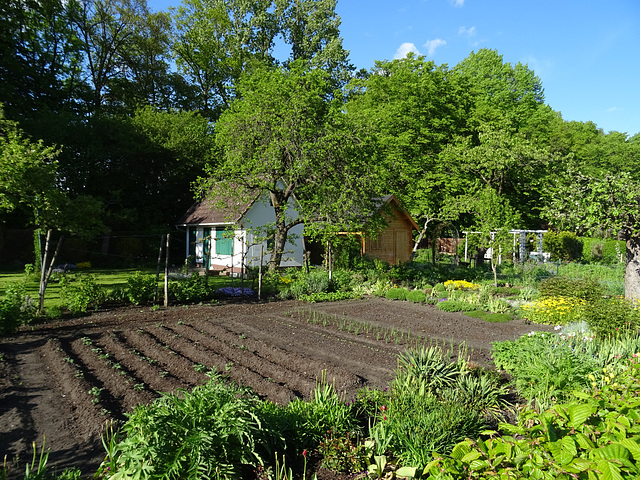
394	244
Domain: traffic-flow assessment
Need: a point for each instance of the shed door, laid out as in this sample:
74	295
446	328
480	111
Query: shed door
401	247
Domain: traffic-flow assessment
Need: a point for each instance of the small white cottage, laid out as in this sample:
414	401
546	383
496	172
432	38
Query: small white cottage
230	238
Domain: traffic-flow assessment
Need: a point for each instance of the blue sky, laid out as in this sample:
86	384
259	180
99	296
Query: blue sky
586	52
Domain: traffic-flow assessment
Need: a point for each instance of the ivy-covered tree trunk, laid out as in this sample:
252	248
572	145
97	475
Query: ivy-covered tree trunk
632	270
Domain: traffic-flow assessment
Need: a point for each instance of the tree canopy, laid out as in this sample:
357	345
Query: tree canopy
123	107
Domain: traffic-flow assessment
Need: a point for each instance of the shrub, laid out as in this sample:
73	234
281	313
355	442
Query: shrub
456	306
194	288
341	280
82	294
141	288
416	296
396	293
211	432
562	245
611	317
586	289
16	308
317	281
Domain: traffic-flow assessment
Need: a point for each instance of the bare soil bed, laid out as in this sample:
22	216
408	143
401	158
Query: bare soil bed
64	380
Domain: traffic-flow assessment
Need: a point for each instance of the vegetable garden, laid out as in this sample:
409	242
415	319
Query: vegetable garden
372	387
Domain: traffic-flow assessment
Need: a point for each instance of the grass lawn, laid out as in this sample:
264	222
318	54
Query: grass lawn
110	279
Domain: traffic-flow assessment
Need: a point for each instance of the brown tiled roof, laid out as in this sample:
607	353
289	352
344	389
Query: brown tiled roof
210	211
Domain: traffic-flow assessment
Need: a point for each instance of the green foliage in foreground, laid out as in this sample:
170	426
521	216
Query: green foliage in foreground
546	368
596	436
209	431
219	430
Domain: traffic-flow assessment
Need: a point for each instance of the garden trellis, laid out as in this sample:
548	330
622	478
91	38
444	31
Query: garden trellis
521	235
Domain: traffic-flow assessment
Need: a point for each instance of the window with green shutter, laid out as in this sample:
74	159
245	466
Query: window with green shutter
224	244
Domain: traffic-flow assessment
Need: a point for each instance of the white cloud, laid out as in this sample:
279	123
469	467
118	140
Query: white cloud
457	3
404	49
469	32
613	109
432	45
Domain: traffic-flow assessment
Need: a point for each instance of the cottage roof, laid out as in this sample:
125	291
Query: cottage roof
219	210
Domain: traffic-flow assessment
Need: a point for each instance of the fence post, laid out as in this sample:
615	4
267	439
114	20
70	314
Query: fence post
166	272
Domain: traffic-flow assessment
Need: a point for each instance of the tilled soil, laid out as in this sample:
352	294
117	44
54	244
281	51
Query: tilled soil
62	382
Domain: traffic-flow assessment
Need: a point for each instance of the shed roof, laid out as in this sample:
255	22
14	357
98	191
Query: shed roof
219	210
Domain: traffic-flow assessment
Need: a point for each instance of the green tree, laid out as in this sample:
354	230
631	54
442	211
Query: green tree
288	136
599	205
29	178
312	29
411	109
41	57
216	41
108	30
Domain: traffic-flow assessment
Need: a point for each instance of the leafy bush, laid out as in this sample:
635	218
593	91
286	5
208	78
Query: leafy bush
416	296
328	297
562	245
194	288
341	280
594	436
141	288
544	369
456	306
317	281
396	293
611	317
585	289
82	294
16	308
211	431
605	251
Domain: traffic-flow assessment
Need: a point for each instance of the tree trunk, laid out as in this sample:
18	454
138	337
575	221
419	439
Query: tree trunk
632	270
278	246
47	268
420	237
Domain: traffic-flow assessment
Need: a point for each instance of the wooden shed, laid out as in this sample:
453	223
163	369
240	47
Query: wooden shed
394	243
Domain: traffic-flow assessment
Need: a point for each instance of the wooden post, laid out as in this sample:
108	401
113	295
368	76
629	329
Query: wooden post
260	272
166	272
155	295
